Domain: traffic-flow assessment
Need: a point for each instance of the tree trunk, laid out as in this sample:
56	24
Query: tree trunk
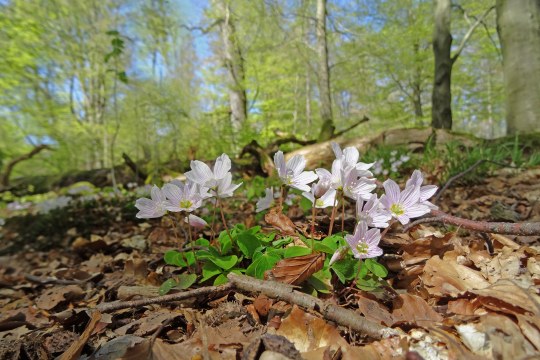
518	25
441	111
328	127
234	62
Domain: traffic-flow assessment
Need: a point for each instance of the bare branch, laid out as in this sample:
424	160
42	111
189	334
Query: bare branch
469	34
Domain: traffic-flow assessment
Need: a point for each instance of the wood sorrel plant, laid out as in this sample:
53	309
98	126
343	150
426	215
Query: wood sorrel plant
249	251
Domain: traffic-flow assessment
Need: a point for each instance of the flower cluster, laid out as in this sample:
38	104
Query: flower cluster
186	196
352	179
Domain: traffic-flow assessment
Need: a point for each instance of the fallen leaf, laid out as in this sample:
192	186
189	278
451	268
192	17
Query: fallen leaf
55	295
374	311
74	351
309	332
446	277
280	221
296	270
413	309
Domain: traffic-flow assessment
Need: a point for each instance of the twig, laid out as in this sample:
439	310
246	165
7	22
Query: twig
341	316
53	280
117	305
504	228
463	173
75	349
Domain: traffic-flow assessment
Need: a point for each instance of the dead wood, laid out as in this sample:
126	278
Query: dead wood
341	316
133	166
503	228
10	165
118	305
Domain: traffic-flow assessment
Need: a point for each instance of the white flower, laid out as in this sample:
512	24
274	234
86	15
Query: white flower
195	221
349	157
372	212
364	243
355	186
202	174
292	173
267	201
225	187
338	255
324	201
426	191
151	208
182	197
403	205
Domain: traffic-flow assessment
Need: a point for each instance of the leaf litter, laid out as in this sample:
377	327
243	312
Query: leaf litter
452	297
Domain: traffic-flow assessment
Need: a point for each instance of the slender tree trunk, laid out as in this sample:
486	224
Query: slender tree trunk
518	25
328	127
234	62
417	87
441	110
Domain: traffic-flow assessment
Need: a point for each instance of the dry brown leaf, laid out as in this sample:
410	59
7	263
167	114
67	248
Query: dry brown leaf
297	269
506	296
465	307
55	295
392	348
374	311
446	277
413	309
309	332
280	221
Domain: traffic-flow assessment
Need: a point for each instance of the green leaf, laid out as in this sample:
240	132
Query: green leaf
322	248
294	251
248	243
184	281
224	262
225	242
376	268
345	269
333	241
166	286
202	242
320	282
261	263
305	204
209	270
221	279
173	257
282	242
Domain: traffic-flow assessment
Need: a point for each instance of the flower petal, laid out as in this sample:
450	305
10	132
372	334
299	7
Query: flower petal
392	191
222	166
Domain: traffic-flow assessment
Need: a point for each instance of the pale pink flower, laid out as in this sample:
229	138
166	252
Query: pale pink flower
152	208
364	243
372	212
182	196
202	174
292	173
403	205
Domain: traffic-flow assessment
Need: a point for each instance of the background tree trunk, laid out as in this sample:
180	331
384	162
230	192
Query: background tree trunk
518	25
328	127
234	62
441	110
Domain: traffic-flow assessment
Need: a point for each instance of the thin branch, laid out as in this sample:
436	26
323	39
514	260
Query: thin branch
363	120
203	30
504	228
341	316
463	173
9	167
118	305
469	34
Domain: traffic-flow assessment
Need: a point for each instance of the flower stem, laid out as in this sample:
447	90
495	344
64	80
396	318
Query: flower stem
213	222
332	217
342	213
223	219
313	209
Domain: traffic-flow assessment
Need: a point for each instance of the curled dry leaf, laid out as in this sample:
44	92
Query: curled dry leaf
297	269
280	221
309	332
446	277
413	309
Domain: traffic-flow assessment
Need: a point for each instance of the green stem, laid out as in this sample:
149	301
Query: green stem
313	209
223	220
332	217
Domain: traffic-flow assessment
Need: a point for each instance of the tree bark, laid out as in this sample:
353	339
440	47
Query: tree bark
441	110
328	127
518	25
234	62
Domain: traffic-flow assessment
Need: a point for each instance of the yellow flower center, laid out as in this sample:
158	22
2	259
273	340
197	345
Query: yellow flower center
397	209
319	202
362	247
185	204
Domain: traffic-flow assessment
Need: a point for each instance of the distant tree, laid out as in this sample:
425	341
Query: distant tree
518	25
325	107
441	110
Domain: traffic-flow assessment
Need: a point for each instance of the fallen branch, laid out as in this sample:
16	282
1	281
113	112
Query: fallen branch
503	228
341	316
463	173
118	305
10	165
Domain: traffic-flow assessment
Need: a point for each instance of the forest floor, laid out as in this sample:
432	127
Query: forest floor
449	296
